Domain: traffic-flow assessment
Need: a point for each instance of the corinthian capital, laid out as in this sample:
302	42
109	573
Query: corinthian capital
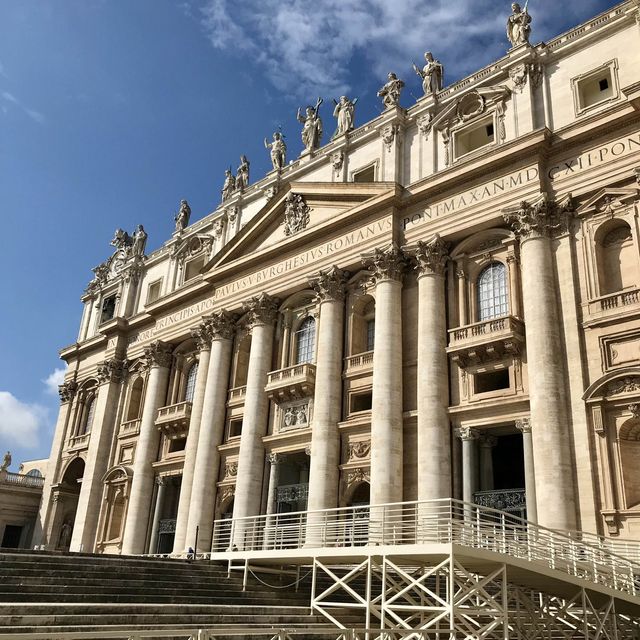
431	257
385	264
202	336
260	309
329	284
222	325
467	433
157	354
541	218
112	370
67	390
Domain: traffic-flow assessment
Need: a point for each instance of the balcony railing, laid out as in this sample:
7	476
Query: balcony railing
292	383
614	301
22	480
130	428
486	340
361	362
237	395
173	420
78	442
509	500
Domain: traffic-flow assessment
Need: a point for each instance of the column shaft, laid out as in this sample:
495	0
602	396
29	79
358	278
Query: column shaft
469	464
146	452
529	470
157	512
181	543
207	464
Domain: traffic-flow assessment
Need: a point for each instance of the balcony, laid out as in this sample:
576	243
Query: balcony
486	341
129	428
79	442
173	421
22	480
237	396
618	303
359	364
291	383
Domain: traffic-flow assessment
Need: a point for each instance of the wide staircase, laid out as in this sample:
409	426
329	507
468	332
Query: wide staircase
49	592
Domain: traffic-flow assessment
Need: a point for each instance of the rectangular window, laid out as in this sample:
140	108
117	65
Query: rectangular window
365	175
492	381
192	269
108	309
153	291
371	334
177	445
361	402
235	427
474	137
595	87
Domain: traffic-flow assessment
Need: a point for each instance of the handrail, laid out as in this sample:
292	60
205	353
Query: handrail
443	521
22	479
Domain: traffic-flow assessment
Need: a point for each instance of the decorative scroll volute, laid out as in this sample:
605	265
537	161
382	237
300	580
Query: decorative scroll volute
329	284
157	354
542	218
222	325
386	264
431	257
260	310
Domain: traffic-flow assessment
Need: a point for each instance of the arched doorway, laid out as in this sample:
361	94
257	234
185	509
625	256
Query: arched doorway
357	520
67	496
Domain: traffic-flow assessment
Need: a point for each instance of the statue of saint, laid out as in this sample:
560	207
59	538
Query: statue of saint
6	462
344	112
278	151
229	185
519	25
242	175
390	93
432	75
139	240
65	536
312	129
182	217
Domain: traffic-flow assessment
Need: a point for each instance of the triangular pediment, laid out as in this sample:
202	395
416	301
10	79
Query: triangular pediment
309	208
608	201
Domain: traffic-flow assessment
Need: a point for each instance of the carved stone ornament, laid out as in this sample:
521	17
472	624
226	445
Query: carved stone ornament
191	247
231	469
636	171
329	284
523	425
541	218
467	433
218	227
295	417
634	409
337	161
424	124
221	325
470	106
227	493
386	264
232	213
273	458
629	384
389	135
202	336
67	390
359	450
260	309
296	214
112	370
157	354
270	193
431	257
358	475
519	75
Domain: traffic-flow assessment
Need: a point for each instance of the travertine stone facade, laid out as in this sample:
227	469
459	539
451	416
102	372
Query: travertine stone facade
442	302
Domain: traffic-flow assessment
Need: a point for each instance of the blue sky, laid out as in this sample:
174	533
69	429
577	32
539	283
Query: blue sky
112	111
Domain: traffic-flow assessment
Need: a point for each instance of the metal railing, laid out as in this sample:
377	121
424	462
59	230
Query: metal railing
581	555
22	480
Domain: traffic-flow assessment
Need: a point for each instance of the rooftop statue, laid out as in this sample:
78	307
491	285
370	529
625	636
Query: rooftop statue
121	240
182	217
278	151
345	113
390	93
312	129
229	185
519	25
6	462
432	74
242	176
139	241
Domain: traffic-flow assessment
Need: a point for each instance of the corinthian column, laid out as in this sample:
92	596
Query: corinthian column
157	360
202	337
434	439
111	373
261	313
207	462
325	438
387	266
555	491
524	426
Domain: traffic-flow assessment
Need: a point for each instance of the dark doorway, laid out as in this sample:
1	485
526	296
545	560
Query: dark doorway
11	537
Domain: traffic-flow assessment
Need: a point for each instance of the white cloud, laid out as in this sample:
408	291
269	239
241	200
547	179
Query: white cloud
20	423
54	379
306	46
32	113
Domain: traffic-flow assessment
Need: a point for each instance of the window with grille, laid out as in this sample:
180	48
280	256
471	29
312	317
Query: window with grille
305	341
191	383
492	292
371	334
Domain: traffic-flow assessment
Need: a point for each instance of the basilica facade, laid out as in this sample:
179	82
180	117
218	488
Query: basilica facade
443	302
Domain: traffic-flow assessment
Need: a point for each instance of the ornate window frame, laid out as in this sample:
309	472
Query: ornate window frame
578	81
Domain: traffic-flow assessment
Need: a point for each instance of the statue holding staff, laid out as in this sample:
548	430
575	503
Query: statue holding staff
242	175
390	93
432	74
312	126
229	185
182	217
277	151
345	113
519	25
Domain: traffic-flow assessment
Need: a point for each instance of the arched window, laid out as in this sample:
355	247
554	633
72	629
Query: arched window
618	265
87	416
191	382
492	292
135	400
305	340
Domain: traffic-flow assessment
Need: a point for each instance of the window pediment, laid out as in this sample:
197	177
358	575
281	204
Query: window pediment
608	201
